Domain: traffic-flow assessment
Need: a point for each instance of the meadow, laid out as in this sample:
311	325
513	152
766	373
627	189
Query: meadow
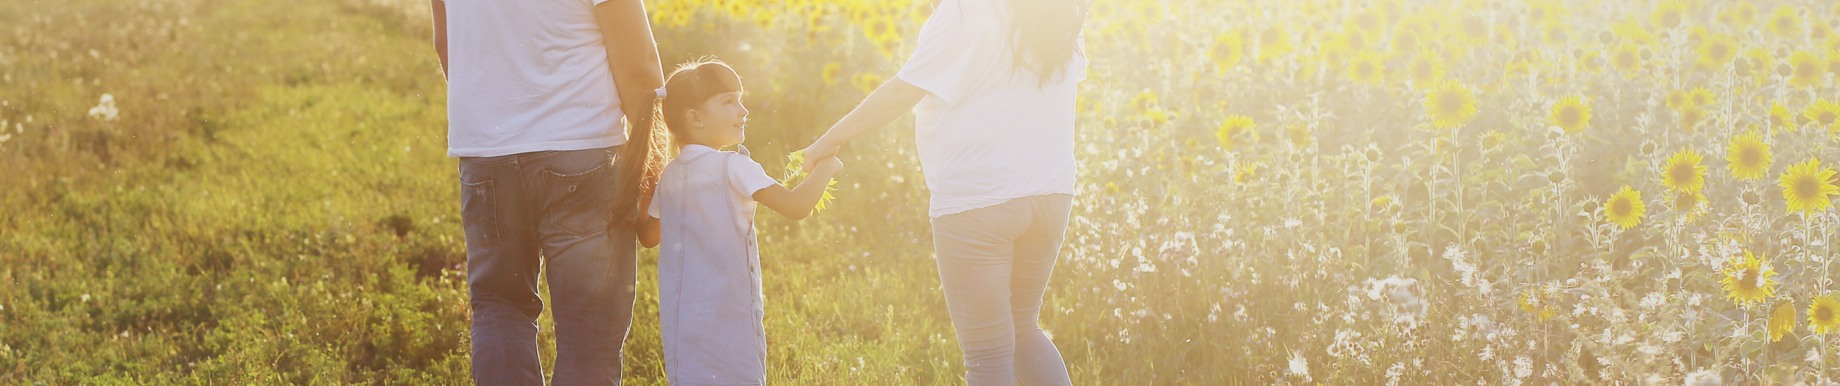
1272	192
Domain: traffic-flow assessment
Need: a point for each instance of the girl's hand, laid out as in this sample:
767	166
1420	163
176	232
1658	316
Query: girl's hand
820	151
827	167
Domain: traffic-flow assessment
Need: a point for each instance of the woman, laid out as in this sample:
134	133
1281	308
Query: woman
992	84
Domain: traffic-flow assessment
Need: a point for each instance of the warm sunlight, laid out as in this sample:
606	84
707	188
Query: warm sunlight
920	192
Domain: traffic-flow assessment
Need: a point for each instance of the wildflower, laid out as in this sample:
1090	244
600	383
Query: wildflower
105	110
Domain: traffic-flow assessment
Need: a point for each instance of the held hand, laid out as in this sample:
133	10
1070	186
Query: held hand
828	166
820	151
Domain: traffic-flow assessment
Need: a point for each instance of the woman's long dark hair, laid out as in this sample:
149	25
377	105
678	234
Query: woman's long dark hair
1046	33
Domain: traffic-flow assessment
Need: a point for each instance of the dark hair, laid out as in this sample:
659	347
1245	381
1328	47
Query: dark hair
689	86
643	156
1046	33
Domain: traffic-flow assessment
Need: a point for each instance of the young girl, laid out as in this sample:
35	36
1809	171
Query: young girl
710	303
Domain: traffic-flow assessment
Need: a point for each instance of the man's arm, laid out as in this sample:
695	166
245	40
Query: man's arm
440	32
632	56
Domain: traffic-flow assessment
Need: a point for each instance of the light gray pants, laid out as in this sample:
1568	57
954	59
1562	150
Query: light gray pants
994	264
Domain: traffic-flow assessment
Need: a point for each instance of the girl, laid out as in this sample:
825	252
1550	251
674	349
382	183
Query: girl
992	85
710	303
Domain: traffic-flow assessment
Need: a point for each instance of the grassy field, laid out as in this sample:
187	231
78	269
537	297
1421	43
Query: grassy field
1272	191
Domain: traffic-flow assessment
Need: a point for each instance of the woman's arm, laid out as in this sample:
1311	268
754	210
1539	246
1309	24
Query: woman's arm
439	8
882	106
797	203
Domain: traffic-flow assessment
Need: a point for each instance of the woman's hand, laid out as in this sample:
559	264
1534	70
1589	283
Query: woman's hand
819	151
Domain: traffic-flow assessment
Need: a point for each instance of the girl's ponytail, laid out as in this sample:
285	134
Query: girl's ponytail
642	160
647	147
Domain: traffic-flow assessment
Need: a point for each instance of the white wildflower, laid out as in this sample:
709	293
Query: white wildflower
105	110
1703	378
1299	367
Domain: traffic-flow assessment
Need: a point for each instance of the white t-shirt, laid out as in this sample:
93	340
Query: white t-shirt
987	132
743	179
528	75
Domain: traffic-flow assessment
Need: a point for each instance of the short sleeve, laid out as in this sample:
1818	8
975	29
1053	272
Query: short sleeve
747	176
951	52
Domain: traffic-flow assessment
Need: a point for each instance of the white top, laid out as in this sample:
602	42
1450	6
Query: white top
528	75
744	178
710	306
987	132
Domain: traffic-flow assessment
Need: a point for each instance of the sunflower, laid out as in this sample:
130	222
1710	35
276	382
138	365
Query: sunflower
1229	48
1784	21
1689	205
1739	15
867	82
1748	157
1233	130
1366	68
1274	42
1555	33
831	74
1625	208
1823	113
1690	118
1450	104
1627	59
1806	187
1717	51
1683	172
1749	281
1699	97
1780	117
1425	67
1824	313
1670	13
1782	320
1571	114
1806	69
1299	134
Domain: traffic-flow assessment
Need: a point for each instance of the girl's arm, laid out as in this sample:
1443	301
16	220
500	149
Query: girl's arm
882	106
797	203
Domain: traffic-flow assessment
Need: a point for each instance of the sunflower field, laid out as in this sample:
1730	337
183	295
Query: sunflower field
1271	192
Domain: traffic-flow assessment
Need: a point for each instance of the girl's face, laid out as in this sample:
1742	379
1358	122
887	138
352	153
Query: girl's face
721	121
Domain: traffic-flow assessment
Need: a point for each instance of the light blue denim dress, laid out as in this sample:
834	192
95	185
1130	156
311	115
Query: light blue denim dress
710	305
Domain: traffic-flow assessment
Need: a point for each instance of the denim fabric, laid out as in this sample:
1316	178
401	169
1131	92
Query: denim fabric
547	212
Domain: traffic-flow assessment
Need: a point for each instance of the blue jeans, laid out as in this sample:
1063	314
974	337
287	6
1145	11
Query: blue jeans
994	265
547	212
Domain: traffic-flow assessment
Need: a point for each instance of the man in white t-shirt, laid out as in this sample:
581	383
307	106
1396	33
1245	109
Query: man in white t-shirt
540	95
